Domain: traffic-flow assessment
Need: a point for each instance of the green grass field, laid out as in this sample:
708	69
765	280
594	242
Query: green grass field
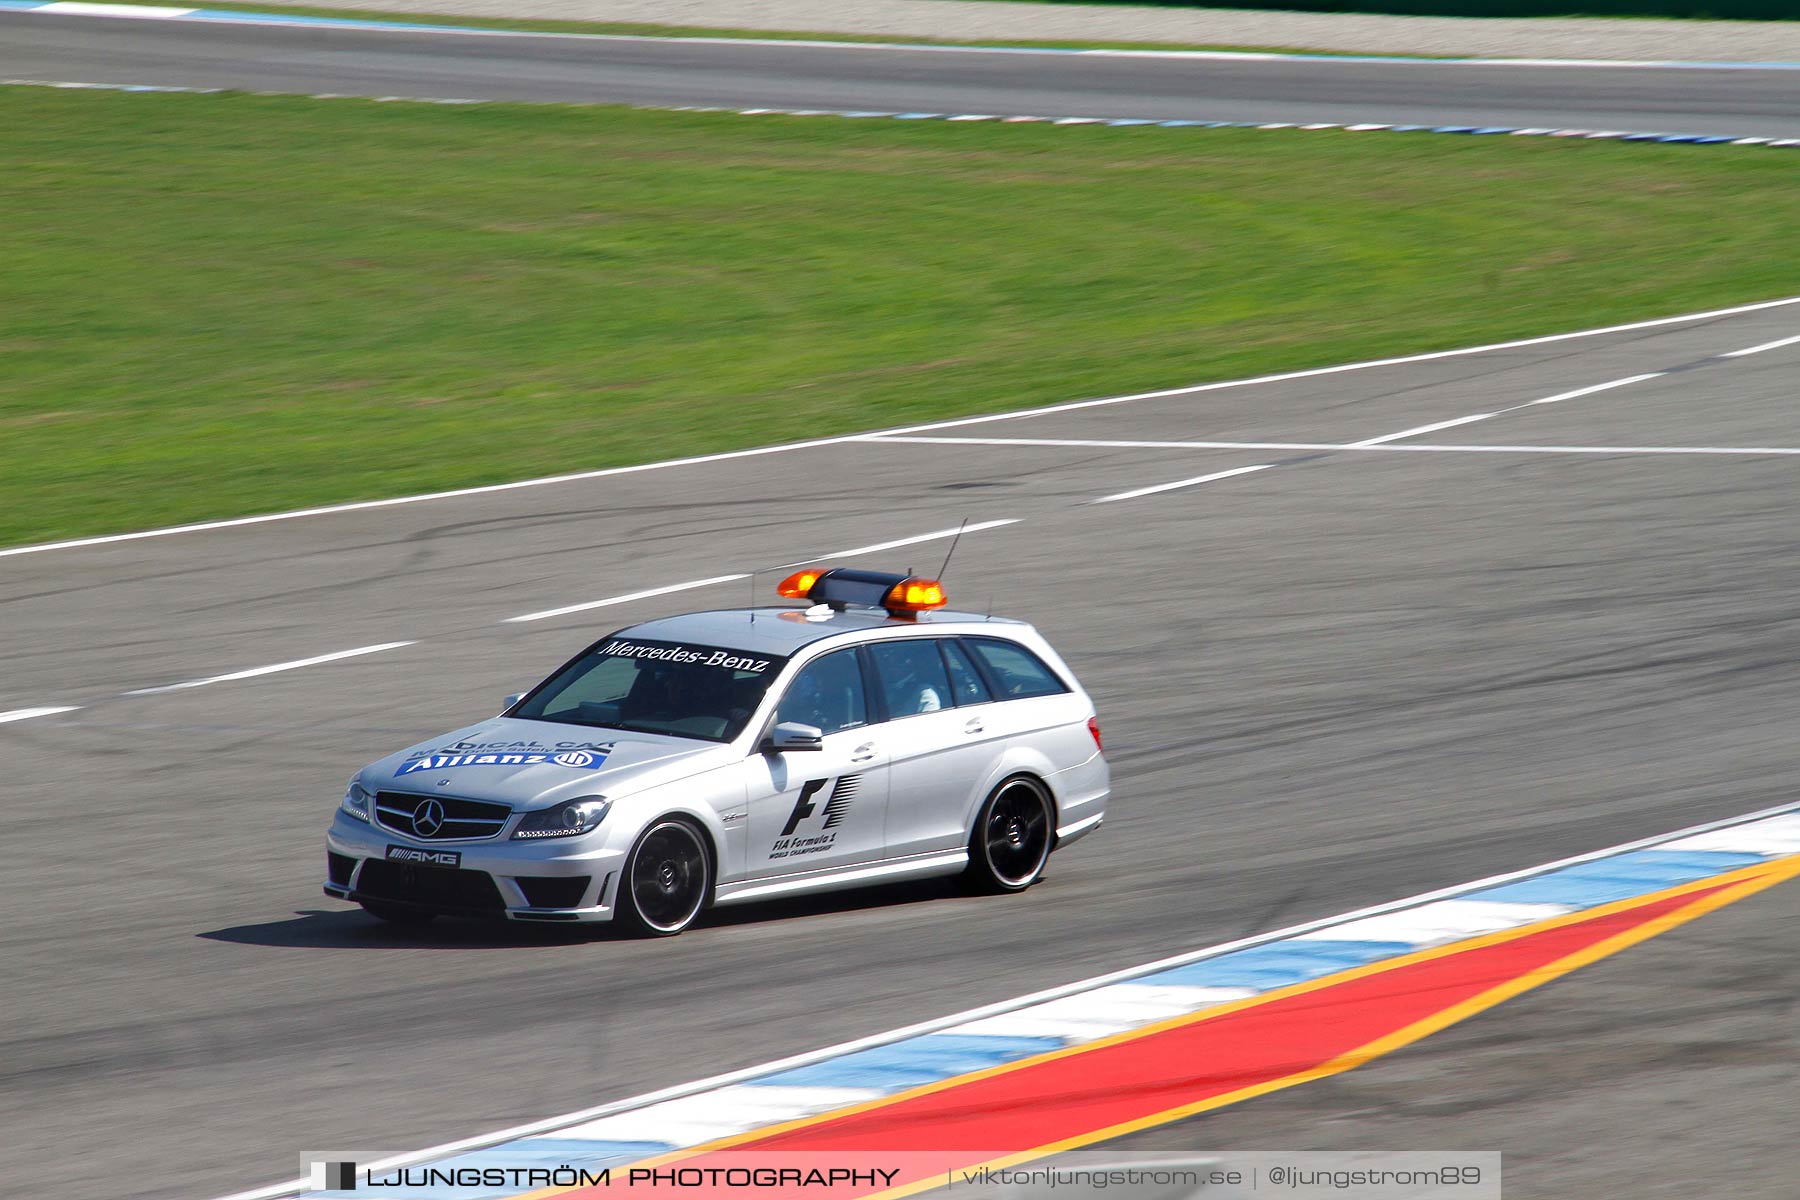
216	305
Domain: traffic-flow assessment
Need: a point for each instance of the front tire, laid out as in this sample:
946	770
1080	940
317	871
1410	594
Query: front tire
667	880
1011	840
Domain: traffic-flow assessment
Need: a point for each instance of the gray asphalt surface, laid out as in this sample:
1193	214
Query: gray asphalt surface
993	21
1353	677
1747	103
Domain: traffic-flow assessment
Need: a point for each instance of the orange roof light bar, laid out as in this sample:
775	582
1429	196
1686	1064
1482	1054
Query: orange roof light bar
847	587
915	594
797	585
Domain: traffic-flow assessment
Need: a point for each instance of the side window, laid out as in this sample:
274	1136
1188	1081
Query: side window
966	684
1017	672
828	693
911	676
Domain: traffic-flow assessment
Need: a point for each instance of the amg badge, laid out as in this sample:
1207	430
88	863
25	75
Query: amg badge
431	858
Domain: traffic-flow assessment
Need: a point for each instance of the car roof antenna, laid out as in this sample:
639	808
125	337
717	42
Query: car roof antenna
952	550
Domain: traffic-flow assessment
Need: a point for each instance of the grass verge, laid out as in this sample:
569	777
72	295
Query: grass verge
214	305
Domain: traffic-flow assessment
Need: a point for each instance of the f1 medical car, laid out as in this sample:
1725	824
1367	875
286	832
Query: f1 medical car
858	736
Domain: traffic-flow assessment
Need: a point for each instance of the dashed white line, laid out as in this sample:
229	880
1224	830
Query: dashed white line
272	669
1428	447
1181	483
1598	387
627	598
1775	345
1416	431
878	547
25	714
1438	448
648	593
1402	360
1382	442
1108	443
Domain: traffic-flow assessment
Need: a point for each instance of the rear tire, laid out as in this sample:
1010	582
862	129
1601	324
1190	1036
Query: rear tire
667	880
1011	840
397	914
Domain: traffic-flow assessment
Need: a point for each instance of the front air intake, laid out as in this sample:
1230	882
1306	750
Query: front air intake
554	891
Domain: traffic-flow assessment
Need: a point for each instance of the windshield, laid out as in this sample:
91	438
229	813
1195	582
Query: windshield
706	692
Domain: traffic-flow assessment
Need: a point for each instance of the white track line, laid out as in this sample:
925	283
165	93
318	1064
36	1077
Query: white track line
1180	483
1105	443
330	509
1383	440
627	598
1588	391
25	714
1429	447
1775	345
1439	448
453	494
874	548
552	1124
1415	432
74	8
878	547
272	669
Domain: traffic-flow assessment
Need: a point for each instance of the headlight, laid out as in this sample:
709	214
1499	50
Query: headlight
356	802
568	819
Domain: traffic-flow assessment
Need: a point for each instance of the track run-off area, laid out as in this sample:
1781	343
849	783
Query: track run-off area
198	48
1356	634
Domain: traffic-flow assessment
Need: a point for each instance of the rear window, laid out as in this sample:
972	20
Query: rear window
674	688
912	676
1016	672
966	683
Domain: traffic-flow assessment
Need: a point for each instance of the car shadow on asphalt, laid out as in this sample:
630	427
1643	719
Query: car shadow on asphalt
350	929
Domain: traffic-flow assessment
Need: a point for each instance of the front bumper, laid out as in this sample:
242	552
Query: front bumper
556	880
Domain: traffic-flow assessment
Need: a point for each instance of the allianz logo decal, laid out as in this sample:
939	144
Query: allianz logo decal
582	760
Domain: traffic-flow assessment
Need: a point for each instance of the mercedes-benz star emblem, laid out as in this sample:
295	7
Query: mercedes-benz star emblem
428	818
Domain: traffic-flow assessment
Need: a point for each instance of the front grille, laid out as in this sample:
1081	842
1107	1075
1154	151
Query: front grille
553	891
461	819
338	868
432	887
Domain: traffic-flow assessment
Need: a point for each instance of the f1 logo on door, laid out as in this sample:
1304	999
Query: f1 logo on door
836	808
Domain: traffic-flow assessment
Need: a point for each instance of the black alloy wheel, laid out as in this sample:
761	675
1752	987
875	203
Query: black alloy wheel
667	879
1011	841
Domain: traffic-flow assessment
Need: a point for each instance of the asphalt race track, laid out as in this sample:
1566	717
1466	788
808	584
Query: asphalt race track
1740	103
1357	674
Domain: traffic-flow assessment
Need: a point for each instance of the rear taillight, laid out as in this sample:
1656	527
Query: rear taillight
1094	728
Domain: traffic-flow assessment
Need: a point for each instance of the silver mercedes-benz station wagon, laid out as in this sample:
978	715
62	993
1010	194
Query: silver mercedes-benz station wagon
859	736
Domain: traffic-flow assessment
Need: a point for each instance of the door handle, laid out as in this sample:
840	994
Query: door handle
863	753
974	725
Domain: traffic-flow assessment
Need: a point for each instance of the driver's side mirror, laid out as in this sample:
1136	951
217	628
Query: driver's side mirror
511	700
792	735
